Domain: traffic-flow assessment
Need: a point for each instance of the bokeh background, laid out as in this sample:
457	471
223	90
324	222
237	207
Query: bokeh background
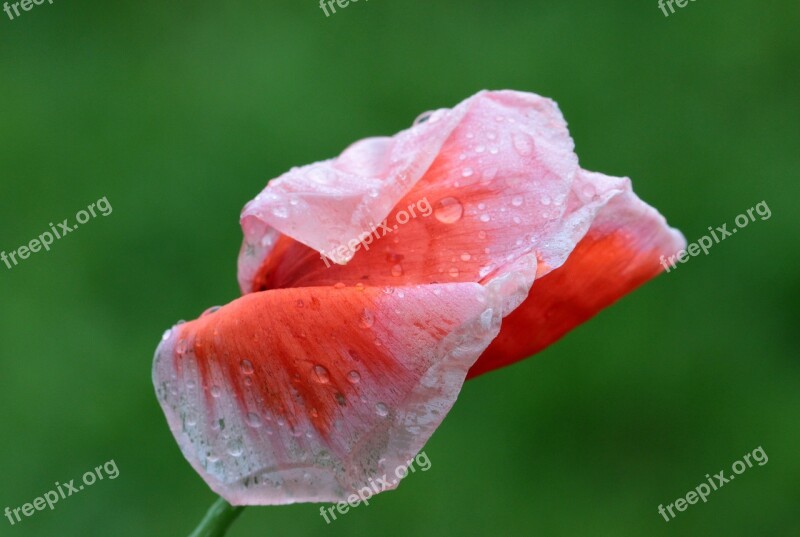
179	114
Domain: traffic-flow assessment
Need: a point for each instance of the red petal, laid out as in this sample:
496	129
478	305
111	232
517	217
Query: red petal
622	250
305	394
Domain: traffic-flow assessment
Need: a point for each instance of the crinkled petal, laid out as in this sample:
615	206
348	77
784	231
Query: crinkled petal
306	394
497	192
325	204
622	250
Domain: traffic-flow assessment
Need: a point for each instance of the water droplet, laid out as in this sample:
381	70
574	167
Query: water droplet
300	303
523	144
397	270
448	210
367	319
481	206
339	285
493	150
388	290
467	172
480	149
453	272
235	448
462	156
517	201
382	410
465	257
247	367
280	211
491	135
481	234
216	391
517	219
166	335
321	374
210	310
253	420
360	286
546	199
423	117
354	377
588	191
485	217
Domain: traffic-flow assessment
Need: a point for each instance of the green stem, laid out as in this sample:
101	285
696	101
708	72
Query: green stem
218	519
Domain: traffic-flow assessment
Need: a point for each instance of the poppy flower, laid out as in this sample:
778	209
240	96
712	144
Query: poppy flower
375	283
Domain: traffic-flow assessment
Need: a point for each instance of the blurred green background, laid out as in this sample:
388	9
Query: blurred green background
179	114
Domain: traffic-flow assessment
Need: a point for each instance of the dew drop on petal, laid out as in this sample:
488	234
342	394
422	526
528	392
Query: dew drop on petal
367	319
517	201
354	377
465	257
467	172
253	420
382	410
523	144
453	272
235	448
485	217
216	391
321	374
422	118
448	210
247	367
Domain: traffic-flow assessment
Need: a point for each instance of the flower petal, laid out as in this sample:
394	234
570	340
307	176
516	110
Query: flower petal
621	251
306	394
345	195
496	192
